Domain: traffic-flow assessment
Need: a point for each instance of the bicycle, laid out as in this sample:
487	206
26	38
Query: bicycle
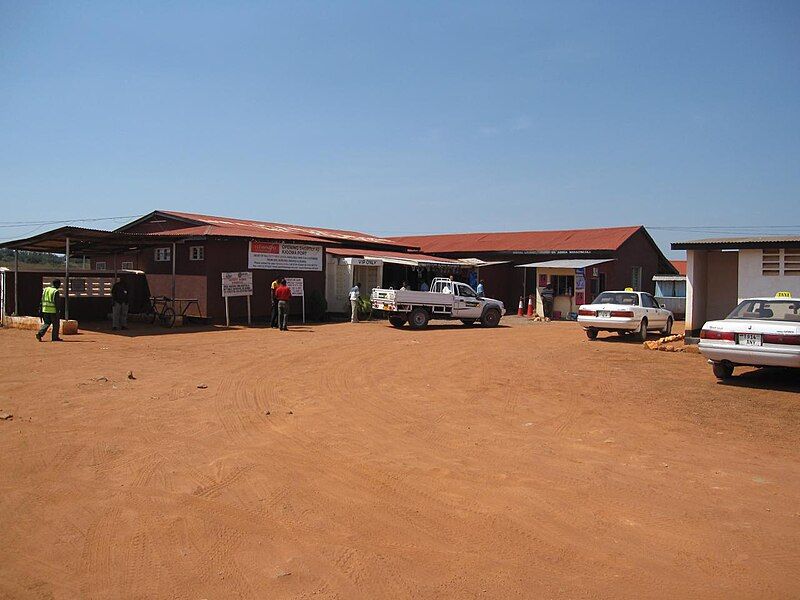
160	307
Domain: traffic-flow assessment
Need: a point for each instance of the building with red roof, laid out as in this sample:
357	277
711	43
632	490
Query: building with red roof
578	263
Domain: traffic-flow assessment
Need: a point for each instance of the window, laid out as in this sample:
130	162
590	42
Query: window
465	291
772	310
780	261
636	278
649	301
100	266
563	285
627	298
197	253
127	264
791	261
163	254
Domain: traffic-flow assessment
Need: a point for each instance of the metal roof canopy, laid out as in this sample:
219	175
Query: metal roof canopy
70	240
740	243
88	241
572	263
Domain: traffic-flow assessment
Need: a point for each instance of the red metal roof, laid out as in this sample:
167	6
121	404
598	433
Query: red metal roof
197	224
609	238
680	265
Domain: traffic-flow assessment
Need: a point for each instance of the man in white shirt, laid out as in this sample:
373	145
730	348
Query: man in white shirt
355	294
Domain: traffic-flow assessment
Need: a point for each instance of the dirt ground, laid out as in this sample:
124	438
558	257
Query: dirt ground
361	461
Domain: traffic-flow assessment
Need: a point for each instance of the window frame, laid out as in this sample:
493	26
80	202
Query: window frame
197	253
129	263
100	265
163	254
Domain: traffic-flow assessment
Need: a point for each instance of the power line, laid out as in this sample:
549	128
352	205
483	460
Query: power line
10	224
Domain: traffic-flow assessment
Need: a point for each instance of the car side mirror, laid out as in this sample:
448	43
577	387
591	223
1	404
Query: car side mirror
663	305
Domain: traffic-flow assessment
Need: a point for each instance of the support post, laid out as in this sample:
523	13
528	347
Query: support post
66	285
249	322
174	246
115	267
304	307
227	314
16	282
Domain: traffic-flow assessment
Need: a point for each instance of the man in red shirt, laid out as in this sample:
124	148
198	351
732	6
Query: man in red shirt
283	294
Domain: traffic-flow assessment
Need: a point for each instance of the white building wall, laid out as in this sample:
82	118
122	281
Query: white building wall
753	284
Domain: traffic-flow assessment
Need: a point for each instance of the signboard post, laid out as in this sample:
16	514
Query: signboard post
237	284
295	284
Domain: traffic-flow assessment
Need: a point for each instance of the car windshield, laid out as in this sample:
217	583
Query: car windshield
768	310
617	298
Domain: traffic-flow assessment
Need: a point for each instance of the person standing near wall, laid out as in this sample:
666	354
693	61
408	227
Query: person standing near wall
355	294
119	309
274	316
51	301
548	297
479	289
283	294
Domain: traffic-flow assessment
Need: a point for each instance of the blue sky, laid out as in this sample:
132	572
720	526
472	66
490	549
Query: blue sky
405	117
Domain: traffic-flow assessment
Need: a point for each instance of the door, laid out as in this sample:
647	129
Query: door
655	316
465	303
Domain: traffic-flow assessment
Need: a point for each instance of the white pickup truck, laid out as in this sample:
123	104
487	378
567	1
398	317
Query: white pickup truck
447	299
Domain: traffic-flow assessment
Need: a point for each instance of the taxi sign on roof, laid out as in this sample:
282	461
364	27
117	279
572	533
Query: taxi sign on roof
783	295
628	289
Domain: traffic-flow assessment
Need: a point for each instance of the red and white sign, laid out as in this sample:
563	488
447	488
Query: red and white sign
237	284
284	256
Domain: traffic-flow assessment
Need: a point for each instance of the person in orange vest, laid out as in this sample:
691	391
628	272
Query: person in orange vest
51	299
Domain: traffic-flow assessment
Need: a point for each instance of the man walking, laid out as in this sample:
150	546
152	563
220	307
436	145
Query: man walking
283	294
548	297
51	299
355	294
119	310
274	317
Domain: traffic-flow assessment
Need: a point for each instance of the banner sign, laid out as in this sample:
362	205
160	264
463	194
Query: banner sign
282	256
237	284
580	282
295	285
362	262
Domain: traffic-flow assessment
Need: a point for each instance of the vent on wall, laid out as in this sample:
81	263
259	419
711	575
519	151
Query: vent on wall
776	262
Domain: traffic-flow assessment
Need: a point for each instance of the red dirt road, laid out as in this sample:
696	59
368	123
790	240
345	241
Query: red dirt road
520	462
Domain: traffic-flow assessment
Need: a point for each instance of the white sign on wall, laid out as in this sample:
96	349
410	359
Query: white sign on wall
295	284
284	256
237	284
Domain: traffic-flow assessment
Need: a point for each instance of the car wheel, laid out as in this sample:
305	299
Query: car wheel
641	334
491	318
722	370
468	322
622	333
418	318
591	334
397	321
668	327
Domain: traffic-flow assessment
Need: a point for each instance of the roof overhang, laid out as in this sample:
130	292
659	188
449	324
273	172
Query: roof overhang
669	277
569	263
739	243
88	241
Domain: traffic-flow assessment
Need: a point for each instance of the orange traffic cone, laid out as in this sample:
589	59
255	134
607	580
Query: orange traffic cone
530	305
520	310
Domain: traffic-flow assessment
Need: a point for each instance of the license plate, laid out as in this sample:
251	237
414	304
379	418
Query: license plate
749	339
604	314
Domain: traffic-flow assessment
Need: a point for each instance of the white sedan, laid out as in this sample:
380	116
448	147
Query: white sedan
760	332
625	312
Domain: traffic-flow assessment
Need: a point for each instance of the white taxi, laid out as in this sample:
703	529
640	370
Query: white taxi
626	312
760	332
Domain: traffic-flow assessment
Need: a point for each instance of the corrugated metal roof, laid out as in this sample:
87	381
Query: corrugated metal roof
609	238
733	243
680	265
231	227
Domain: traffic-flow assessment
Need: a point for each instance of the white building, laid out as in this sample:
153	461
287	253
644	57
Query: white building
721	272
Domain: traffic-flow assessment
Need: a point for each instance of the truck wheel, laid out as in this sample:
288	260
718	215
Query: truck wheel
397	321
468	322
491	318
667	328
641	335
591	334
722	370
418	318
